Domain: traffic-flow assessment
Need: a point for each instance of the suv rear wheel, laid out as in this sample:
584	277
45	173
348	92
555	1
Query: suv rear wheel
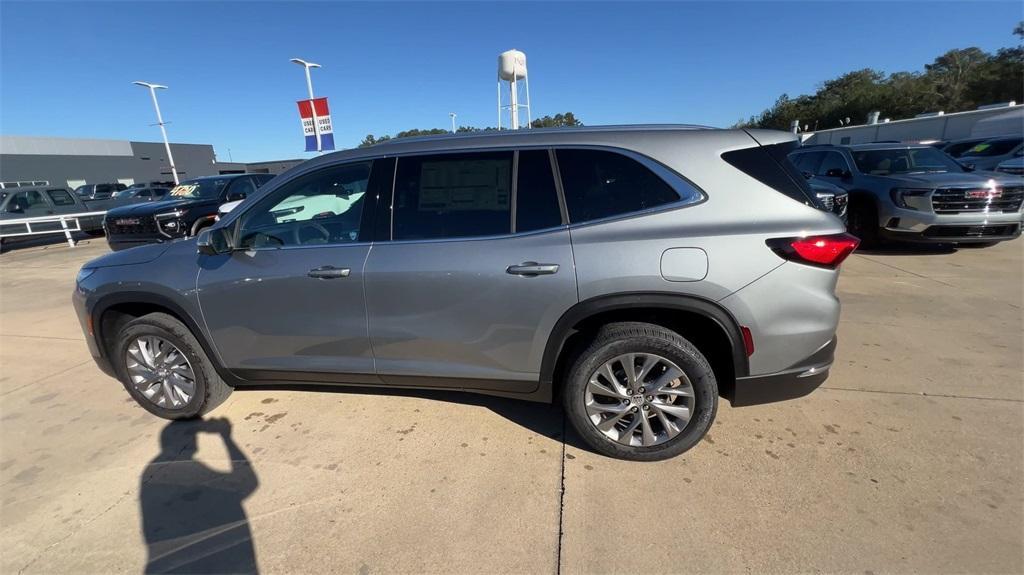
641	392
165	370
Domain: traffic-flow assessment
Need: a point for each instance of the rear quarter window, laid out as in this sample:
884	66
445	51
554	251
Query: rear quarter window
771	166
600	184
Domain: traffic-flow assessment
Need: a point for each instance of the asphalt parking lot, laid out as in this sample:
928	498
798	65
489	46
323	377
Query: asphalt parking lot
909	459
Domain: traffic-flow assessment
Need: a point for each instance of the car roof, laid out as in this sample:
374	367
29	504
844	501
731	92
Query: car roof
885	146
219	177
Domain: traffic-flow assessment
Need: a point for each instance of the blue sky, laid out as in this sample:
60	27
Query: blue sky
67	67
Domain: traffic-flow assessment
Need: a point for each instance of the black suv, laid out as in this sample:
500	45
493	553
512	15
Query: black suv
190	207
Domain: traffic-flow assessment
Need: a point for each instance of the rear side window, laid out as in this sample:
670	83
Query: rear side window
61	198
600	184
453	196
536	197
771	166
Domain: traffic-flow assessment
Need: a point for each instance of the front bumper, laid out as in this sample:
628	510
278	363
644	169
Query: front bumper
791	383
926	227
78	301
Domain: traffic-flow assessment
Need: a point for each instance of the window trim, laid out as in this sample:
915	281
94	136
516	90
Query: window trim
235	225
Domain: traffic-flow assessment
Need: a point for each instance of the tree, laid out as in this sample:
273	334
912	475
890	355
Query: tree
566	119
557	121
958	80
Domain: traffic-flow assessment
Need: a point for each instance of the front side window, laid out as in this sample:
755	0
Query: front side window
24	201
453	196
324	207
61	198
599	184
806	162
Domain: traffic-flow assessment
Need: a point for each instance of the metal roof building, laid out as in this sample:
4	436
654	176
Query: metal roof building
72	162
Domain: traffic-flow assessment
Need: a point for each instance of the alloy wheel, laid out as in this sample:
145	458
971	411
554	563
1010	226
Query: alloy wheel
639	399
160	372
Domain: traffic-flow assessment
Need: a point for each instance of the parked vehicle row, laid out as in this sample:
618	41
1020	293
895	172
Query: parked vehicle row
917	193
637	272
183	212
40	201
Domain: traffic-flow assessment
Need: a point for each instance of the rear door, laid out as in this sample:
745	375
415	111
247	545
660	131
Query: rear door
288	303
478	271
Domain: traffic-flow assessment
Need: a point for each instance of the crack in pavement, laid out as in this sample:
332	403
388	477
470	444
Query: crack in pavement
907	271
42	379
924	394
561	507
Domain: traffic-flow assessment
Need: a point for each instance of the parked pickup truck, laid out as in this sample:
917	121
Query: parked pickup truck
40	201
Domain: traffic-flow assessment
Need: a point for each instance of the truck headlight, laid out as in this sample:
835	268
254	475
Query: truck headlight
912	198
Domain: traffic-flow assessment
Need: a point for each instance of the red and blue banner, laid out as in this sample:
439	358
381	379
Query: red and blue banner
316	124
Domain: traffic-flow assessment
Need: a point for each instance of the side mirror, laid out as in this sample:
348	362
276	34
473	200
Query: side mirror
213	241
235	196
837	173
969	167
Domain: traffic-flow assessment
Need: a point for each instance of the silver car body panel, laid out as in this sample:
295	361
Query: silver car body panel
447	312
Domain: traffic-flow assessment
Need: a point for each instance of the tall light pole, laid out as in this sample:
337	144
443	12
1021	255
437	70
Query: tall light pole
160	122
452	115
309	86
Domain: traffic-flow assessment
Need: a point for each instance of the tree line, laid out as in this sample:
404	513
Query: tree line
558	120
958	80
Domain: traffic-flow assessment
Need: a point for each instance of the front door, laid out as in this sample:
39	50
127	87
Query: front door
468	290
287	303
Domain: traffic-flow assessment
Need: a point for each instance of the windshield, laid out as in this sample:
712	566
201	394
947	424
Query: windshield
993	148
904	161
205	189
123	193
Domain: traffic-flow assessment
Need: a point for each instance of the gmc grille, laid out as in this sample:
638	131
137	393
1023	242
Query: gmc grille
967	200
128	225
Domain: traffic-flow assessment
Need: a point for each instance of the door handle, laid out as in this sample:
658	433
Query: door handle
329	272
531	269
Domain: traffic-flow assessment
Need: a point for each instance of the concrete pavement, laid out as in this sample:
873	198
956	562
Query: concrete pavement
908	460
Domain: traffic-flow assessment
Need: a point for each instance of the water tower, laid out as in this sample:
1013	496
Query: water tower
512	70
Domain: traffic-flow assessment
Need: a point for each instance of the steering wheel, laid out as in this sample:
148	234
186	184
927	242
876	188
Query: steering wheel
319	229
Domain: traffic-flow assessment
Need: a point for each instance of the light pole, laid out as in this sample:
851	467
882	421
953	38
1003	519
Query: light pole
452	115
309	86
160	122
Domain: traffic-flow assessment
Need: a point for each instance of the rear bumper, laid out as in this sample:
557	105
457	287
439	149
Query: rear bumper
794	382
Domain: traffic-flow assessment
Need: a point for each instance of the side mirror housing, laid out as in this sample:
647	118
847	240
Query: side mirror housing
838	173
213	241
235	196
968	167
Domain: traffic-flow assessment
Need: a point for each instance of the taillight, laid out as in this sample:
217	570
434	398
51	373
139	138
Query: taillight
822	251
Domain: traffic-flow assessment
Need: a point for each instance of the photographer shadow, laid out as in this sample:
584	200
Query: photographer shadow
192	516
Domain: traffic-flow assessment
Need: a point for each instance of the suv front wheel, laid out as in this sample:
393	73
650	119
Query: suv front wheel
164	368
641	392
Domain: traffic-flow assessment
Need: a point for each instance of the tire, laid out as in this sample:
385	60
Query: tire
209	390
863	222
616	340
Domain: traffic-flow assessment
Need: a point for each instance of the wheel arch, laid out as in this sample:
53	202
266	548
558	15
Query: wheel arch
705	323
115	310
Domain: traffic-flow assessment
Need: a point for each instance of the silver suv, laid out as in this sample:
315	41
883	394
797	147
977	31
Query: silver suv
638	273
915	193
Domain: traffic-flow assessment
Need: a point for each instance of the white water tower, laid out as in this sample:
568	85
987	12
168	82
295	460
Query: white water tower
512	70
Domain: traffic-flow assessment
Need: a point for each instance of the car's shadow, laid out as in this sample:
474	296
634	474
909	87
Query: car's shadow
908	249
545	419
24	242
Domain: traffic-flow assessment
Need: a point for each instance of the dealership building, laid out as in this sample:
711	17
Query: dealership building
73	162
